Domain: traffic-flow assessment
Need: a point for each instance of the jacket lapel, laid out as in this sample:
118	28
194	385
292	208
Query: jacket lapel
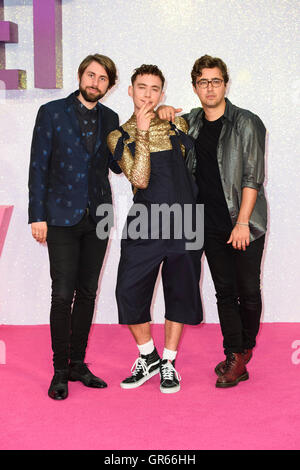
74	120
195	123
99	137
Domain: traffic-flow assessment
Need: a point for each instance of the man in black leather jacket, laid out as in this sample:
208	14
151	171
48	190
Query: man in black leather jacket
227	162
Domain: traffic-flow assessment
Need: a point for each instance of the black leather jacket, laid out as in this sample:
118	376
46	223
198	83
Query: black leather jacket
240	155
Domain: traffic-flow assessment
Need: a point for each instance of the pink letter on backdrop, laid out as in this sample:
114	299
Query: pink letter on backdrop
5	215
47	34
13	79
2	45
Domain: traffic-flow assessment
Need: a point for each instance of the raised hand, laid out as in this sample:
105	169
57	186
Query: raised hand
144	116
168	112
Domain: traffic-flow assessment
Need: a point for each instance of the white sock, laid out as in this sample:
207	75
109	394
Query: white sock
170	355
146	348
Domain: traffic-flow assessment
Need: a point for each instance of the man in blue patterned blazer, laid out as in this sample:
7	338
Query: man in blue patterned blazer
68	180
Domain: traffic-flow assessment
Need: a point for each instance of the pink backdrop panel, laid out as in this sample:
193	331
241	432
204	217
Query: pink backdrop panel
5	215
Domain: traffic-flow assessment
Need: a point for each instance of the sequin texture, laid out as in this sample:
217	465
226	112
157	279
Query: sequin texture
137	168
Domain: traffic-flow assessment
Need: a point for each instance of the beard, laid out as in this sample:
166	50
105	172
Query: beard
90	98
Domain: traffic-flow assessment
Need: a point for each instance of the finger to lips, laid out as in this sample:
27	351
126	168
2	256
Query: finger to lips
145	109
142	108
145	103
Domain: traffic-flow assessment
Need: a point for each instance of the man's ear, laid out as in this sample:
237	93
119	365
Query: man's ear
130	90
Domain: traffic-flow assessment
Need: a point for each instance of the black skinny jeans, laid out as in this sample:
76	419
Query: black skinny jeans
76	255
236	276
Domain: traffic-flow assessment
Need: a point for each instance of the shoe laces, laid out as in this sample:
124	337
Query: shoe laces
139	365
230	359
168	371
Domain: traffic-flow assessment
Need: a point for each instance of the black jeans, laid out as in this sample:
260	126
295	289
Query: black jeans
76	255
236	276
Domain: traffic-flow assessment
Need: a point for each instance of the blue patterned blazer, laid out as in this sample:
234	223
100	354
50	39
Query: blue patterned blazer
64	179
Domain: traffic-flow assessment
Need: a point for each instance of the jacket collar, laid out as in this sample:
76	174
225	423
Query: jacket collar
229	110
71	111
228	113
73	96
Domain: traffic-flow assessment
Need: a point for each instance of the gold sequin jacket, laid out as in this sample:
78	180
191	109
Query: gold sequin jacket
137	168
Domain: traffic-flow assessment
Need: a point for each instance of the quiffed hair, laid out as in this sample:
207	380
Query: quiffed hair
208	62
148	70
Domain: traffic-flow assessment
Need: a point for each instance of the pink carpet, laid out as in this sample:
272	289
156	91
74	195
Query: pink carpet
262	413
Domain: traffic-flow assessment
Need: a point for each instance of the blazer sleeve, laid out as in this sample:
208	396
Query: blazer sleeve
113	165
41	149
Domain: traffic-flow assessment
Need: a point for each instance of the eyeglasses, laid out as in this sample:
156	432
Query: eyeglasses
216	82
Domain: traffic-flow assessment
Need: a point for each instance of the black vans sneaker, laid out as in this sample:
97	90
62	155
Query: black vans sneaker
169	377
142	370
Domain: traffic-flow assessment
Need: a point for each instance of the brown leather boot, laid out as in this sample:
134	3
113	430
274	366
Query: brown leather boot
235	371
220	368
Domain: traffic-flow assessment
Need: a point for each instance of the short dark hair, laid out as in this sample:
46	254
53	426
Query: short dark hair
208	62
103	60
148	70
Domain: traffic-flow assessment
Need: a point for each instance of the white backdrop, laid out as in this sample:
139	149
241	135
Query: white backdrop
256	38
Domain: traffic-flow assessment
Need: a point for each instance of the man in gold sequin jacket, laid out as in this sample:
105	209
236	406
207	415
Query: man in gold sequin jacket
150	152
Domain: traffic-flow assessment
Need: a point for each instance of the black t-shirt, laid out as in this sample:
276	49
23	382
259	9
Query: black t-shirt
211	192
